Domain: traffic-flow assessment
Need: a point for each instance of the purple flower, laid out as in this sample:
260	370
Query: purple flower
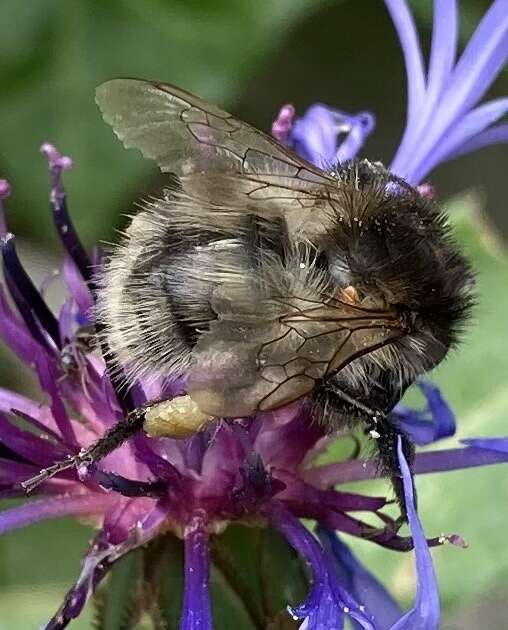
359	581
249	470
260	471
323	136
444	117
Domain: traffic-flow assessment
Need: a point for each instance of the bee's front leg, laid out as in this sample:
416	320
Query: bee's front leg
106	444
176	418
385	436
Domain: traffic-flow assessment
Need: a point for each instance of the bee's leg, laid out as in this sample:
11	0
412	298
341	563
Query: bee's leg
176	418
112	439
385	435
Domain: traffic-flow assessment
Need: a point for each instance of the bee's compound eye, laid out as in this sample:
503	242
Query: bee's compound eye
176	418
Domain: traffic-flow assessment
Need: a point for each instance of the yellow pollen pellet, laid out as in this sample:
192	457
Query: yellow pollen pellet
177	418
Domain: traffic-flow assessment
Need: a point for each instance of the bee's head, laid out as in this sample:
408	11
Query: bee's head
393	249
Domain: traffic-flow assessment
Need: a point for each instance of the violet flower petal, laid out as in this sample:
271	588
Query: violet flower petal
91	405
5	189
54	507
38	413
31	447
16	273
484	57
443	48
443	460
360	126
442	59
48	378
283	123
130	517
435	422
33	326
465	129
44	430
210	462
330	518
286	444
425	613
167	449
158	466
360	582
197	610
495	135
328	601
458	458
409	40
66	321
13	472
470	124
14	333
57	164
450	93
78	289
314	136
298	490
499	445
199	446
99	559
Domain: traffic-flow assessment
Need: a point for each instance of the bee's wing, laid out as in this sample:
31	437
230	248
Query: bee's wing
275	352
186	135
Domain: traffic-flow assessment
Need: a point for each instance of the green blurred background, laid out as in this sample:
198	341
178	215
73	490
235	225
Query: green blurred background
251	57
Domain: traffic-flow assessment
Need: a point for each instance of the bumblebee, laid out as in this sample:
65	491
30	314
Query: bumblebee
266	280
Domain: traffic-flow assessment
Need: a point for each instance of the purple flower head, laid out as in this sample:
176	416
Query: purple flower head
244	471
445	118
252	470
323	136
261	471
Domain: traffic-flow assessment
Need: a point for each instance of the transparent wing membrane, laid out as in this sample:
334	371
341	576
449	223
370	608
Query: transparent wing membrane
184	134
246	365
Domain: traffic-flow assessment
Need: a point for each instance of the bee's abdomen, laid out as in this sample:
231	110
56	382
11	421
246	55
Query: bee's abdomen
158	286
